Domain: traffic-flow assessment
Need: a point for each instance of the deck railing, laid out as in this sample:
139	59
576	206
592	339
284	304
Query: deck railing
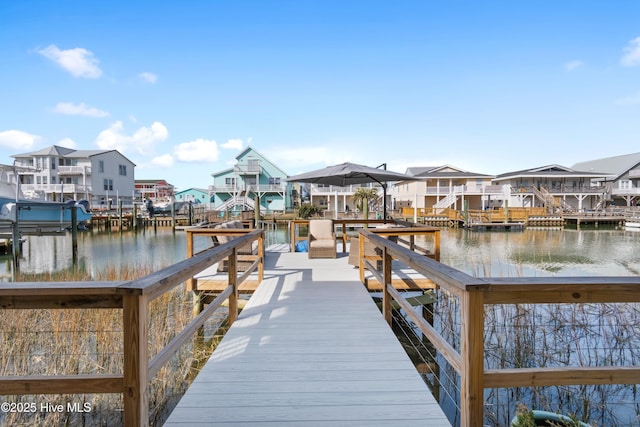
133	297
473	295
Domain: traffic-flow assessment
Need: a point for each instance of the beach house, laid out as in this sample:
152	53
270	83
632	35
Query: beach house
252	177
58	173
441	187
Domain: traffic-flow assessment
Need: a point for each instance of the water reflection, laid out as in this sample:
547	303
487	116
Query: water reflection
532	252
99	251
542	252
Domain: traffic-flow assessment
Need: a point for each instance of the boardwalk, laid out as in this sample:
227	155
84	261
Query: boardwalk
309	349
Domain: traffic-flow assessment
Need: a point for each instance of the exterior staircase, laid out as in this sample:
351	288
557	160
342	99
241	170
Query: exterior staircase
445	202
232	202
551	201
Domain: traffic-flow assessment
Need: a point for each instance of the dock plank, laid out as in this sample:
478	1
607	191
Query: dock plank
310	348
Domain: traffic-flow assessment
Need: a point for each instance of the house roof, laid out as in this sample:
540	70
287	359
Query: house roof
614	166
151	181
56	150
444	171
222	172
554	170
202	190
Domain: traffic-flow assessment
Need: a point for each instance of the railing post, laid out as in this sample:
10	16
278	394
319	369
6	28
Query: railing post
136	360
386	298
361	257
261	256
233	282
472	353
292	235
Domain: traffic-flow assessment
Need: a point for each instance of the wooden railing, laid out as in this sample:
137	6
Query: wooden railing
133	298
474	294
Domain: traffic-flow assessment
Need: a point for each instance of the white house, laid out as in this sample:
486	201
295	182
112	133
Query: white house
103	177
555	187
446	186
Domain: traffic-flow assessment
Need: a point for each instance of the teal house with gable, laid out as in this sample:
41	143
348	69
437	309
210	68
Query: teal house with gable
236	188
193	195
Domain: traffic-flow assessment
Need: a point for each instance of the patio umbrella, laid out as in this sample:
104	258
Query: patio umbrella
346	174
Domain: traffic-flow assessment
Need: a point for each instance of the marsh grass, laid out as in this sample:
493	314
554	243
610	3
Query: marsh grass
90	341
540	335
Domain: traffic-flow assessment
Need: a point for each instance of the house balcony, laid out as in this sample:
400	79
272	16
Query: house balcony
263	188
223	189
465	189
56	188
564	189
74	170
253	169
266	188
634	191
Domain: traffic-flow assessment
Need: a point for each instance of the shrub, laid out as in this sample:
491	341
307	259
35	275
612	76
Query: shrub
307	210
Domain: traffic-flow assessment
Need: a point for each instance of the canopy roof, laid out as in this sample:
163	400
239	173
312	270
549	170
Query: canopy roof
348	174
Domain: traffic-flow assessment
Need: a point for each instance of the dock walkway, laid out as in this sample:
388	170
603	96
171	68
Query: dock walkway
309	349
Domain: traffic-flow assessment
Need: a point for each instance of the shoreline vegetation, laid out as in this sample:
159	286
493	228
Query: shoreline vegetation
90	341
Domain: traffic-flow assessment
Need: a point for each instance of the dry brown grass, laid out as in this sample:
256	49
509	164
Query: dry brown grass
90	341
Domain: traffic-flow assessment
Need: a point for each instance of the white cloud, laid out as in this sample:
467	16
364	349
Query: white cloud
573	65
164	161
78	61
68	143
149	77
17	139
631	56
142	141
198	151
81	109
233	144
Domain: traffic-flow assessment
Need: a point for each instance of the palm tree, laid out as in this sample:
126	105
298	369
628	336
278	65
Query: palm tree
363	197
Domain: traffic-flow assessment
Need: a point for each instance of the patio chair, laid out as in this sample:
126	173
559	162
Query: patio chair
322	239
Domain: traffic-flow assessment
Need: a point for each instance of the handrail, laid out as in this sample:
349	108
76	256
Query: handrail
133	297
474	294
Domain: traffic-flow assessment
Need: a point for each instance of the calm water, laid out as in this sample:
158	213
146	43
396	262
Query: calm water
549	252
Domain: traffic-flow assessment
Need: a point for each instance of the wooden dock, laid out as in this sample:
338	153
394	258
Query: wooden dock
309	348
518	226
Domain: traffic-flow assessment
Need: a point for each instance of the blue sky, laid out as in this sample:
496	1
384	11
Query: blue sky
181	87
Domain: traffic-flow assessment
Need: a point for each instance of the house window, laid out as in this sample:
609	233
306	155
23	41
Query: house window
274	181
53	179
108	184
44	180
38	180
624	184
101	166
53	164
123	170
230	181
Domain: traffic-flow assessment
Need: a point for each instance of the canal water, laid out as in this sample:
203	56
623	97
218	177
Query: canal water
527	253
